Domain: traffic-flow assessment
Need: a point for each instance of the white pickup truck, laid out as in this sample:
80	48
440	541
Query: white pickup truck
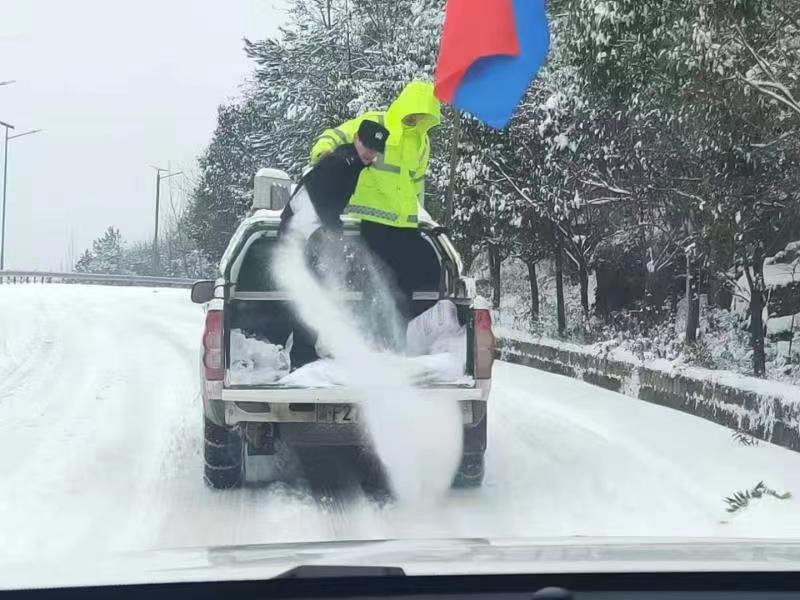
246	420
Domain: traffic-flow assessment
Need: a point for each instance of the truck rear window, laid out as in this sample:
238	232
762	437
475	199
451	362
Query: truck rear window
255	275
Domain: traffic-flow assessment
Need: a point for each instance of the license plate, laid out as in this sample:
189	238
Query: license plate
337	413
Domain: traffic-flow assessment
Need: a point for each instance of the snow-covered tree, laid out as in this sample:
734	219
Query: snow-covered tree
84	262
111	255
333	60
106	255
483	217
224	193
660	140
667	129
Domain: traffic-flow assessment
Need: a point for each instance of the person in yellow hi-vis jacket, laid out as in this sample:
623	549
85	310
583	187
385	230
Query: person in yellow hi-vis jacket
388	195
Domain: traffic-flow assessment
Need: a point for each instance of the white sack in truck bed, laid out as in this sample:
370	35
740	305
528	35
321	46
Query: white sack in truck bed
255	362
432	369
432	331
253	368
436	345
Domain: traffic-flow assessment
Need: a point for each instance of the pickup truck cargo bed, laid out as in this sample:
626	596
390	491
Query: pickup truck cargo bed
248	420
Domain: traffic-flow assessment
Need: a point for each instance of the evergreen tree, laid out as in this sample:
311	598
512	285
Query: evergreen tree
227	169
106	255
107	252
332	61
84	263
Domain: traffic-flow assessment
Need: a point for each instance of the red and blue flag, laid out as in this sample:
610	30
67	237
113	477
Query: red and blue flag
490	52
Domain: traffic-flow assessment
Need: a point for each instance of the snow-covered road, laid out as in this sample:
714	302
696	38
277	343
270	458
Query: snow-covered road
100	449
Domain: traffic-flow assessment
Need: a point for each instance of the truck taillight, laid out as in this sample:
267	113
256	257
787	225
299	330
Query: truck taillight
213	364
484	344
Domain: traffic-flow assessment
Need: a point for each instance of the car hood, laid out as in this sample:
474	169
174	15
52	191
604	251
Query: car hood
415	557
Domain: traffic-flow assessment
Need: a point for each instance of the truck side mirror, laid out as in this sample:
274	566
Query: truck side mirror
203	291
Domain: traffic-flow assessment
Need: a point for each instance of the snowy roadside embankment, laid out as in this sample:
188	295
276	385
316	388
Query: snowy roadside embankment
768	410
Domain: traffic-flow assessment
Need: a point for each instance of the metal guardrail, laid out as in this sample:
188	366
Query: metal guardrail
19	277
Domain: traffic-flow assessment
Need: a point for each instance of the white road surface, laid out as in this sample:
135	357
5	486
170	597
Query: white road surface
101	450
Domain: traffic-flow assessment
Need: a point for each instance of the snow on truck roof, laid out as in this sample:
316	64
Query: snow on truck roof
274	173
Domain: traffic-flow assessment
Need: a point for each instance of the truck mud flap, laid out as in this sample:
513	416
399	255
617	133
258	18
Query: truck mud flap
475	436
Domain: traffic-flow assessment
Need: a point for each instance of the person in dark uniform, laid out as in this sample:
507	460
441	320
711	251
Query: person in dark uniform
388	196
324	192
318	202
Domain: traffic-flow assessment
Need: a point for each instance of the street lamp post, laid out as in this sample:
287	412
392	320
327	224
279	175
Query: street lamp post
8	137
5	181
159	179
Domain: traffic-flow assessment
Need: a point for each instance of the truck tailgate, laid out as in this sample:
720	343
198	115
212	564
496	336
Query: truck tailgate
337	395
321	405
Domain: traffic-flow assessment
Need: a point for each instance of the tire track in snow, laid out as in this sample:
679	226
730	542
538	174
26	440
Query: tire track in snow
628	455
49	428
27	340
113	381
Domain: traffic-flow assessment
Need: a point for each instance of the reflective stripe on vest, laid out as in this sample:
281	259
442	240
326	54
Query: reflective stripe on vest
342	135
381	165
325	136
368	211
385	193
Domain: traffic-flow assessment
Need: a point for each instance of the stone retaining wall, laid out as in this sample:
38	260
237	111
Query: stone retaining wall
767	410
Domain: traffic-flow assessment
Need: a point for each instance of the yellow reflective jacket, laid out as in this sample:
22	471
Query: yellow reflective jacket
389	191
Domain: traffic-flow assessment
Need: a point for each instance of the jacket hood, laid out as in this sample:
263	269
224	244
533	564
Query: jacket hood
416	98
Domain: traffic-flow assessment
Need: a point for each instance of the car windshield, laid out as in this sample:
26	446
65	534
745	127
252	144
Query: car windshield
562	303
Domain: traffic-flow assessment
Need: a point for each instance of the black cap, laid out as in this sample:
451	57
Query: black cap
373	135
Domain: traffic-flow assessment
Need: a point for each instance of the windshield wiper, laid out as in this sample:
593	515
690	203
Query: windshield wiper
330	571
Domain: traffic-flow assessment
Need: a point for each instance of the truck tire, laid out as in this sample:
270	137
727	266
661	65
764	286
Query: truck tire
223	457
471	471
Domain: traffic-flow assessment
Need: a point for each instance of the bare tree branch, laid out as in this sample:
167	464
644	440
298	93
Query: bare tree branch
761	62
604	200
747	274
780	138
571	257
607	186
686	194
763	87
795	19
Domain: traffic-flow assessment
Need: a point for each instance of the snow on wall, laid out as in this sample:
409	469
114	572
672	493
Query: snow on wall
768	410
782	276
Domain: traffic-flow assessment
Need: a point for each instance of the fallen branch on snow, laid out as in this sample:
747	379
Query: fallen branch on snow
742	499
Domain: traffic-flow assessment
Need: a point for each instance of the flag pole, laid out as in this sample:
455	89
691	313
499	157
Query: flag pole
451	186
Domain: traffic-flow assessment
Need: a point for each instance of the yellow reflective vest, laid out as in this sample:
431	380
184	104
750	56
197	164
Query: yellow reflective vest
389	191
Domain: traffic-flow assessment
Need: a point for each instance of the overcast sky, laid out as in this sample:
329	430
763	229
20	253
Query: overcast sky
116	85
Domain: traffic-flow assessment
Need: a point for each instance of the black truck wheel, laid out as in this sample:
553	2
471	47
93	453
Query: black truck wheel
473	465
471	471
223	456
